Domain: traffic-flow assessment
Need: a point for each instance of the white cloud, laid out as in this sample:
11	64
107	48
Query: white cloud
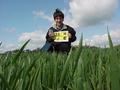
42	15
7	47
90	12
10	29
37	39
102	40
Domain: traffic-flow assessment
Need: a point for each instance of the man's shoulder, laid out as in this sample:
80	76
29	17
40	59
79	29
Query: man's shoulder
70	27
51	28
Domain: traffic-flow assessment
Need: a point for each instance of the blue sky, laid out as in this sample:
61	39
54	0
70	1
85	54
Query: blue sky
24	19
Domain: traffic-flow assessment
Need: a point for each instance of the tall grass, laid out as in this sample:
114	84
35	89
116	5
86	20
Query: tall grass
83	69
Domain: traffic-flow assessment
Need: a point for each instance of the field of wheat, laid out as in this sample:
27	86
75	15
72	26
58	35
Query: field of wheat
83	69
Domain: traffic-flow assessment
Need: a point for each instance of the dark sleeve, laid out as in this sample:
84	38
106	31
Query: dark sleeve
73	33
49	39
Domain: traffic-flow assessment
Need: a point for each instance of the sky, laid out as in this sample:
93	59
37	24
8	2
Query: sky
21	20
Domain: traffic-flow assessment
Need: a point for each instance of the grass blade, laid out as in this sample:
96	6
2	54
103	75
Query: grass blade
18	54
110	40
5	82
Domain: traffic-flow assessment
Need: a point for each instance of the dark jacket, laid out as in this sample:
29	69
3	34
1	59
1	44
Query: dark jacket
61	46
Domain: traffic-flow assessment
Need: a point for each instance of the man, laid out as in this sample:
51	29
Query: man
61	46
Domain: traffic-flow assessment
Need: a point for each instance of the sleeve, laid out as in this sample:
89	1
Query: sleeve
73	33
48	38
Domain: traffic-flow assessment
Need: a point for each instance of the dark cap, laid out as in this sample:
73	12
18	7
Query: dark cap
58	12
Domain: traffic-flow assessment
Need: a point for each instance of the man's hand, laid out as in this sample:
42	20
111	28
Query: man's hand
51	34
69	35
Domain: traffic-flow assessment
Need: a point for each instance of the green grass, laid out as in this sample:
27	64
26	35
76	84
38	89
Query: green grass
82	69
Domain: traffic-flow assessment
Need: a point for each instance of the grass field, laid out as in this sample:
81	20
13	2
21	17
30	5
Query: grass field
83	69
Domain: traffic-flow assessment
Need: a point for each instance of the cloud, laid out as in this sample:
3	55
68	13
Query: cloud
0	43
90	12
10	29
102	40
7	47
37	39
13	29
42	15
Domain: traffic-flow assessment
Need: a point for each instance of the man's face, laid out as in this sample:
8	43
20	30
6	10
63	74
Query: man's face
59	20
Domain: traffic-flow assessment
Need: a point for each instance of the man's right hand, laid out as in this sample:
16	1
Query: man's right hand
51	34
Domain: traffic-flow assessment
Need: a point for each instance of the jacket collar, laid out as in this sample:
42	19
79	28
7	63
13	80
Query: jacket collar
64	27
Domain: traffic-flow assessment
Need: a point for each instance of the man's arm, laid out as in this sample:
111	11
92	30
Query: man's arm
72	35
49	36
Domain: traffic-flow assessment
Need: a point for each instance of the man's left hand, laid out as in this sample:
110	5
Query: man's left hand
69	35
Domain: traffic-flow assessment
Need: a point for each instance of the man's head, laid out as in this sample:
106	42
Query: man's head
58	17
57	13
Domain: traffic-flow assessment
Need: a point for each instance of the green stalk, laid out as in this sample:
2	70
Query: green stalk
18	54
110	40
78	55
65	68
63	74
5	82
